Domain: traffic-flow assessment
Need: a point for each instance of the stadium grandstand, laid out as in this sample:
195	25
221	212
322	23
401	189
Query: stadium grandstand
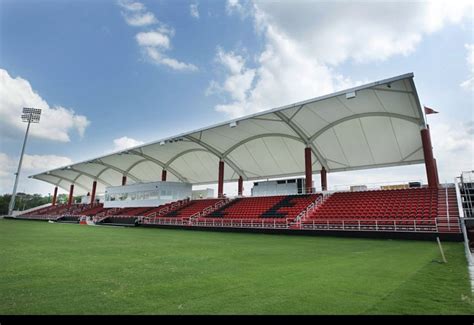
376	125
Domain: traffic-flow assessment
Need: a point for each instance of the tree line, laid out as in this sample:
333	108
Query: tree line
25	201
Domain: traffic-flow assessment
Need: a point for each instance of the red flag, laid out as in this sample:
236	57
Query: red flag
430	111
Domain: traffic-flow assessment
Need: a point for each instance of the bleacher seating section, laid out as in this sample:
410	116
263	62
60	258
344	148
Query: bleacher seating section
385	206
56	211
125	216
420	206
280	207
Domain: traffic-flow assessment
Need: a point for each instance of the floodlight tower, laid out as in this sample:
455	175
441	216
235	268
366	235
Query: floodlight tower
30	115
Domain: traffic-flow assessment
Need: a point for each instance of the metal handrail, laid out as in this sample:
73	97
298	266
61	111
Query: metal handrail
243	223
170	207
447	207
458	183
317	202
397	225
379	225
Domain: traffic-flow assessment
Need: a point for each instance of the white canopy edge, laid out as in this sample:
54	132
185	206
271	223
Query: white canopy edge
264	145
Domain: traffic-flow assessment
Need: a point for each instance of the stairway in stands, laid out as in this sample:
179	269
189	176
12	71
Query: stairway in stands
448	213
265	210
290	206
310	209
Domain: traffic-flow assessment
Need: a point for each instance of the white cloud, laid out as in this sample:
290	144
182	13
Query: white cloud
177	65
125	143
243	9
363	31
136	15
235	63
153	42
453	147
56	122
131	6
153	38
31	164
284	75
141	19
7	166
239	79
469	83
193	10
42	162
159	58
305	41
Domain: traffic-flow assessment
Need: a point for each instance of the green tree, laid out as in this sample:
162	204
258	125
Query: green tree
23	201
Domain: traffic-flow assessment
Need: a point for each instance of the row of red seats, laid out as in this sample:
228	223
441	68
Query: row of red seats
279	207
57	210
371	222
246	208
407	203
51	210
94	210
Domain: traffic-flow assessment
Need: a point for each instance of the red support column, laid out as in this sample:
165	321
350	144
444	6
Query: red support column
124	180
94	187
71	195
55	195
308	170
324	179
240	186
220	182
429	160
163	175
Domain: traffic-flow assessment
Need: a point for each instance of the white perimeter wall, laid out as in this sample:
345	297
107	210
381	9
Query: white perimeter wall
146	194
203	194
279	187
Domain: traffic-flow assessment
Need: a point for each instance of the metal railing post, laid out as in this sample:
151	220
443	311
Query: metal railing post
447	207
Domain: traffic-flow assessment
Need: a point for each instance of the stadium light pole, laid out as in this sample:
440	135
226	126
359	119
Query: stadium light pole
30	115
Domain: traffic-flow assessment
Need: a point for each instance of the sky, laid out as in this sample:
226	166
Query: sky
112	74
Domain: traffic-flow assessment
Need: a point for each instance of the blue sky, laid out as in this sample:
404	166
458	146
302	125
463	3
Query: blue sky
197	63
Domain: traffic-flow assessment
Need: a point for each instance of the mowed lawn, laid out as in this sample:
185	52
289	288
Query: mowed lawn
73	269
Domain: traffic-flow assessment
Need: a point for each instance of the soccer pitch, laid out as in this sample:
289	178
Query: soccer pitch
72	269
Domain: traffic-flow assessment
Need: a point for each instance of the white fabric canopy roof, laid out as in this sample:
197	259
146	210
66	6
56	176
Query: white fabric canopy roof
379	127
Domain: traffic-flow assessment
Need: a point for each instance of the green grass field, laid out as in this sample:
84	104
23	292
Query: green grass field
72	269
